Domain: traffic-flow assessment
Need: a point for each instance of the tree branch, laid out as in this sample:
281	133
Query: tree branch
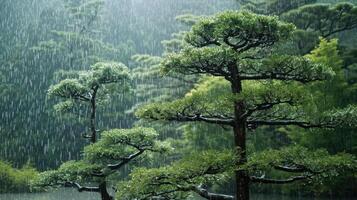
295	169
201	118
211	196
265	106
255	179
125	160
278	76
81	188
302	124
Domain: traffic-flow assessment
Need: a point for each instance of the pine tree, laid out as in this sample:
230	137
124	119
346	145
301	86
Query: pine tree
115	149
102	161
312	19
90	88
263	88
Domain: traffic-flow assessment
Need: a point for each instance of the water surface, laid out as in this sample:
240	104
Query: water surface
62	194
72	194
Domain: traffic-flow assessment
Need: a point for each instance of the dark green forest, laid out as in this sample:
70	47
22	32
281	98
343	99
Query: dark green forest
178	99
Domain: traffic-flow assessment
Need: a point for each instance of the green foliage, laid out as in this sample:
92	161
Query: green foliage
83	11
68	88
215	89
74	38
16	180
334	93
78	171
28	73
327	54
151	84
231	39
269	88
203	137
318	166
217	60
187	59
64	106
312	18
115	146
106	73
188	19
241	26
212	98
324	18
274	7
180	177
82	88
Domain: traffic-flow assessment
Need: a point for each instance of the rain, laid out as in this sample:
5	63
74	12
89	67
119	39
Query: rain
80	79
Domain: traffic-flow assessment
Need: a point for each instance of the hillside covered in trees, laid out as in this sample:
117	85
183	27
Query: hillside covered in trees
178	99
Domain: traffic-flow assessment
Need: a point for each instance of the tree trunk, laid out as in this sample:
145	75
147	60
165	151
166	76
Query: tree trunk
103	191
242	178
239	131
93	116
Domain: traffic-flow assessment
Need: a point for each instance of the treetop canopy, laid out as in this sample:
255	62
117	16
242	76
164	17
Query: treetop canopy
326	19
239	45
239	30
100	73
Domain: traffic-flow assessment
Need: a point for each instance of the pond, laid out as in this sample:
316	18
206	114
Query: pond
62	194
71	194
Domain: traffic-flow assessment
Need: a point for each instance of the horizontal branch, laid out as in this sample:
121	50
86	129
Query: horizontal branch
282	77
255	179
81	188
118	165
290	169
301	124
296	169
125	160
201	118
265	106
212	196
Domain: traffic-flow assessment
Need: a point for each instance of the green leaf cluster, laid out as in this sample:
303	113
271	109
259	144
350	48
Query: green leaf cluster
320	166
180	177
115	146
16	180
240	26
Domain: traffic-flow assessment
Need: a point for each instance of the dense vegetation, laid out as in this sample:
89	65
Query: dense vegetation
243	97
16	180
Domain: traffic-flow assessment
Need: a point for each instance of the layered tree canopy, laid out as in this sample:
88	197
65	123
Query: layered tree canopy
246	83
269	96
115	149
194	174
260	98
87	82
